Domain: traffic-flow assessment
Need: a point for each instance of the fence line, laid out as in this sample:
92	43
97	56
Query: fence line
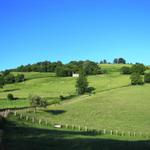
45	122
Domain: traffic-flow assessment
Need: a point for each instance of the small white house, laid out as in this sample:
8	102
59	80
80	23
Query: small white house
75	75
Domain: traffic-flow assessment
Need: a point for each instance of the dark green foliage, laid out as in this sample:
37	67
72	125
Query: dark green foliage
91	68
45	66
119	61
126	70
9	79
147	78
37	101
136	79
81	84
90	89
19	78
138	68
10	96
1	82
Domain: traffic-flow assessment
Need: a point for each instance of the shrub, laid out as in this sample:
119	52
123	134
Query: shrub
136	79
10	96
19	78
126	70
138	68
61	97
37	101
147	78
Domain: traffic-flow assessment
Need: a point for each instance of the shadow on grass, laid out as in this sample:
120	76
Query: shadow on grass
27	138
55	112
11	90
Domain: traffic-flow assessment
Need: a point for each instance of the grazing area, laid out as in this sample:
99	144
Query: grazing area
114	107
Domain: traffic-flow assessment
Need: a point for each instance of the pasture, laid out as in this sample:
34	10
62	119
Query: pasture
115	105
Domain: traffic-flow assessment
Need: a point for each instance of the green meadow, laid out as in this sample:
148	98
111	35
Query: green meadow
115	105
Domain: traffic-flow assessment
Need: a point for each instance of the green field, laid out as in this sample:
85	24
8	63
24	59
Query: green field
115	105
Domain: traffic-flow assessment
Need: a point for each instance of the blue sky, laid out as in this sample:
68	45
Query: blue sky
37	30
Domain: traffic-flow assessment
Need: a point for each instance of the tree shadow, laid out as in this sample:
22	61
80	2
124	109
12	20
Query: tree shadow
11	90
27	138
55	112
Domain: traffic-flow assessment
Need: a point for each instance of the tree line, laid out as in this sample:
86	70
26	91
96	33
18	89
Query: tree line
7	78
137	71
62	70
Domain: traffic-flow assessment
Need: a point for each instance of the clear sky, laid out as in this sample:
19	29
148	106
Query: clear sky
38	30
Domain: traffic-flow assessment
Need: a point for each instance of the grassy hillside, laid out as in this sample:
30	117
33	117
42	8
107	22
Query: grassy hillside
115	105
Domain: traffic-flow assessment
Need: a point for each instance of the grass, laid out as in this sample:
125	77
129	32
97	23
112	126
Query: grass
115	106
22	135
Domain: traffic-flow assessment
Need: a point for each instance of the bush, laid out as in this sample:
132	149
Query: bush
147	78
136	79
126	70
10	97
138	68
61	97
37	101
19	78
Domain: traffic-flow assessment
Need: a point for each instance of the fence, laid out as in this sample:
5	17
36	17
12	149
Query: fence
85	129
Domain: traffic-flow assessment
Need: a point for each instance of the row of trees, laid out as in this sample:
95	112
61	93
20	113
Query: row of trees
138	68
89	68
6	78
115	61
63	70
137	71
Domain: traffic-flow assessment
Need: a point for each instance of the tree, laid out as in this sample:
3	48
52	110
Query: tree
136	79
10	96
9	78
147	78
115	61
19	78
126	70
138	68
81	83
1	82
37	101
119	61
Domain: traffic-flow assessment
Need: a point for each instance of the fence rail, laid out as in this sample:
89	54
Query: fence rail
42	121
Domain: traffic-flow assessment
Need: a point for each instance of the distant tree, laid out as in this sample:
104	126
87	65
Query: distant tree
37	101
19	78
136	79
5	73
115	61
10	96
147	78
1	82
126	70
119	61
10	78
81	83
91	68
138	68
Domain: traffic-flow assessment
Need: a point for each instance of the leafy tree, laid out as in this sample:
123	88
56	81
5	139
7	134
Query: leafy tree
138	68
37	101
91	68
119	61
19	78
9	78
115	61
1	82
147	78
81	83
136	79
10	96
126	70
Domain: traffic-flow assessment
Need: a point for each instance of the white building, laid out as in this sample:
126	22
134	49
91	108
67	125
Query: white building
76	75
